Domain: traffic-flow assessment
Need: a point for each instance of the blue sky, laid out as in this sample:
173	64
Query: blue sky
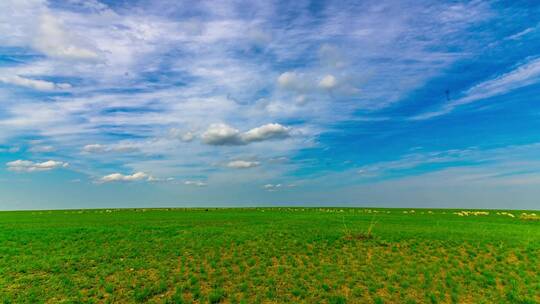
246	103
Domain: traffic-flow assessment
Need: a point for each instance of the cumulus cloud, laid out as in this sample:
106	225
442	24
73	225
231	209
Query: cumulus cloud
118	177
289	80
305	82
266	132
328	82
195	183
182	135
242	164
36	84
296	82
222	134
30	166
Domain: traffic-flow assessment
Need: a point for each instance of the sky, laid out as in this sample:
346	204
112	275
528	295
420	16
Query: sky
269	103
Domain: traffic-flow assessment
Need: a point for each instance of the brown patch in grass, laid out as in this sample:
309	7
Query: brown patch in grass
358	237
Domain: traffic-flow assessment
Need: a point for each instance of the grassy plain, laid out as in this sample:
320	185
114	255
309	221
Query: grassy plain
269	255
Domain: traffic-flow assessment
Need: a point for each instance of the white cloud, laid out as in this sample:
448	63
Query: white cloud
289	80
117	148
195	183
94	148
275	187
182	135
242	164
30	166
328	82
523	75
42	149
153	179
272	187
305	82
309	82
36	84
222	134
124	148
118	177
55	41
266	132
526	31
415	160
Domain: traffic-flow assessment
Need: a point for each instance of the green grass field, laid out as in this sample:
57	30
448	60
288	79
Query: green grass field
269	255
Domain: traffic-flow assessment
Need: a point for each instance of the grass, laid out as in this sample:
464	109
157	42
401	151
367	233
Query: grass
269	255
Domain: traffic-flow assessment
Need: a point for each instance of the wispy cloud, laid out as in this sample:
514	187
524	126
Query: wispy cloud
195	183
34	83
116	148
482	164
523	75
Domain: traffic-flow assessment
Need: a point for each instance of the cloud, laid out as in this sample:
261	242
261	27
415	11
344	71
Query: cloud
182	135
522	33
523	75
328	82
242	164
498	165
415	160
55	41
30	166
13	149
42	149
136	76
302	83
117	148
195	183
222	134
275	187
124	148
35	84
272	187
290	80
266	132
118	177
94	148
153	179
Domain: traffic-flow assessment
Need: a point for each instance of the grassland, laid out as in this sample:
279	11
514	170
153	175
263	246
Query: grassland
265	255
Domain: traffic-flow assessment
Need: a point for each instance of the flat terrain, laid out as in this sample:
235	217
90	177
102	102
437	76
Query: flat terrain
269	255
